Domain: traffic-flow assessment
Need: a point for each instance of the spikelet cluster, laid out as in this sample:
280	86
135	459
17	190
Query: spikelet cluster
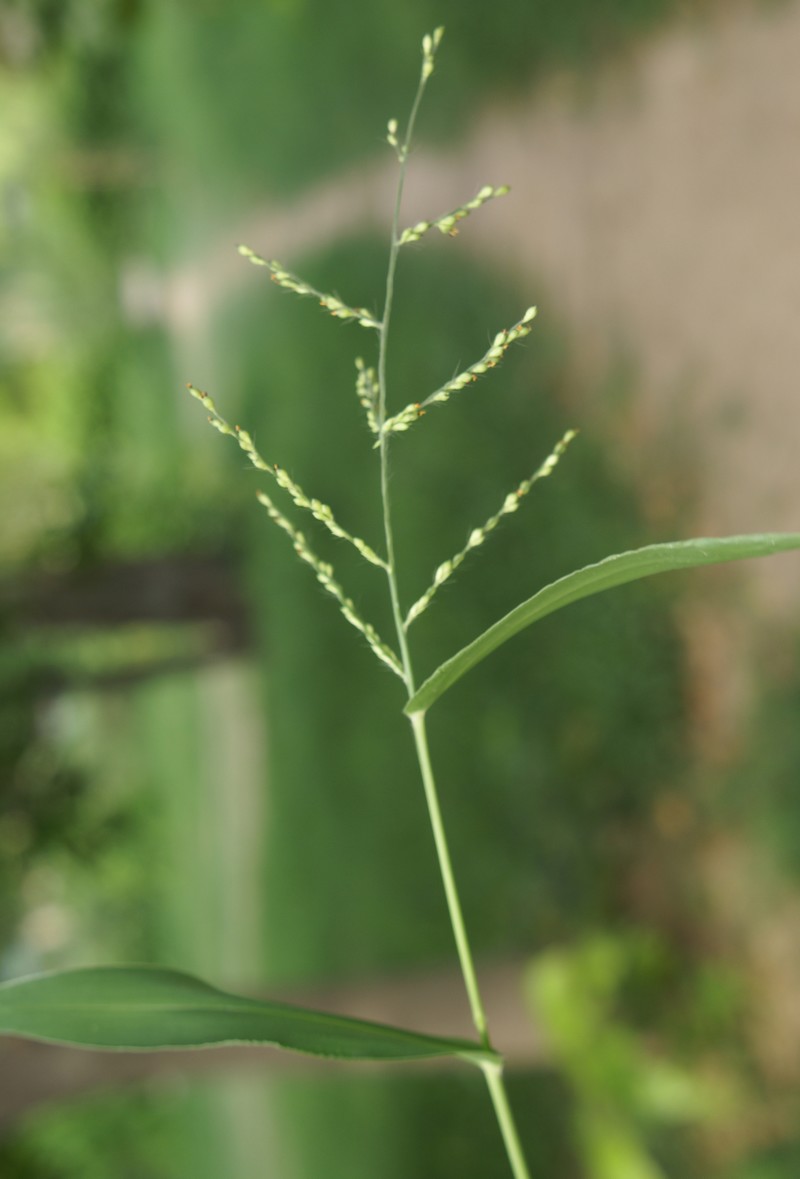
430	43
324	514
290	282
448	222
319	511
500	344
325	576
394	142
368	393
478	535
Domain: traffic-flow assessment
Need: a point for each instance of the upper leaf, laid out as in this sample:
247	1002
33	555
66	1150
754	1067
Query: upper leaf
593	579
143	1007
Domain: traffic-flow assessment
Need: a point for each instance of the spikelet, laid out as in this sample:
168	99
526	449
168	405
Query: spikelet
478	535
392	140
324	514
430	43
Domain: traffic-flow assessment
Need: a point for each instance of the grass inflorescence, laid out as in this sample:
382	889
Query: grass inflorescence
372	393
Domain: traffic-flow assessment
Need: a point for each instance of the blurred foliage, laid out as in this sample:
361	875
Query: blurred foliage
772	1164
622	1090
290	119
762	791
135	131
32	31
128	1137
436	1125
70	827
42	801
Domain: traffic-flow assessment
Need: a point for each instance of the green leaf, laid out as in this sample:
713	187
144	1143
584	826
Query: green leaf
142	1007
593	579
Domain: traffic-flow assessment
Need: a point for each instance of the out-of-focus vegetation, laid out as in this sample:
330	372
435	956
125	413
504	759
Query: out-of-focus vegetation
132	134
625	1095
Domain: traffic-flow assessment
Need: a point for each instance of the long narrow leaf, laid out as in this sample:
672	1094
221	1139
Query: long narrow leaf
142	1007
593	579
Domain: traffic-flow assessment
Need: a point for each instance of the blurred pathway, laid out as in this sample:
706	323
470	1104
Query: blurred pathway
662	217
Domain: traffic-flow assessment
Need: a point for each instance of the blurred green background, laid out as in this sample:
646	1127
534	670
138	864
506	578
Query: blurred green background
198	763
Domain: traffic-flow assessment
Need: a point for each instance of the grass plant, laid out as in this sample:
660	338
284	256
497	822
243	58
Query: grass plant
139	1007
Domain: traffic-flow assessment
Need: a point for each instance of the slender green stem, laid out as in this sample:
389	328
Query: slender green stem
448	879
384	339
393	252
494	1076
505	1120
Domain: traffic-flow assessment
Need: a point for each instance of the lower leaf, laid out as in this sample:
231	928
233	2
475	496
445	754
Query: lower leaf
143	1007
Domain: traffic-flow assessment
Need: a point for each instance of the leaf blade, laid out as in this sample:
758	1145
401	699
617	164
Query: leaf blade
593	579
144	1008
